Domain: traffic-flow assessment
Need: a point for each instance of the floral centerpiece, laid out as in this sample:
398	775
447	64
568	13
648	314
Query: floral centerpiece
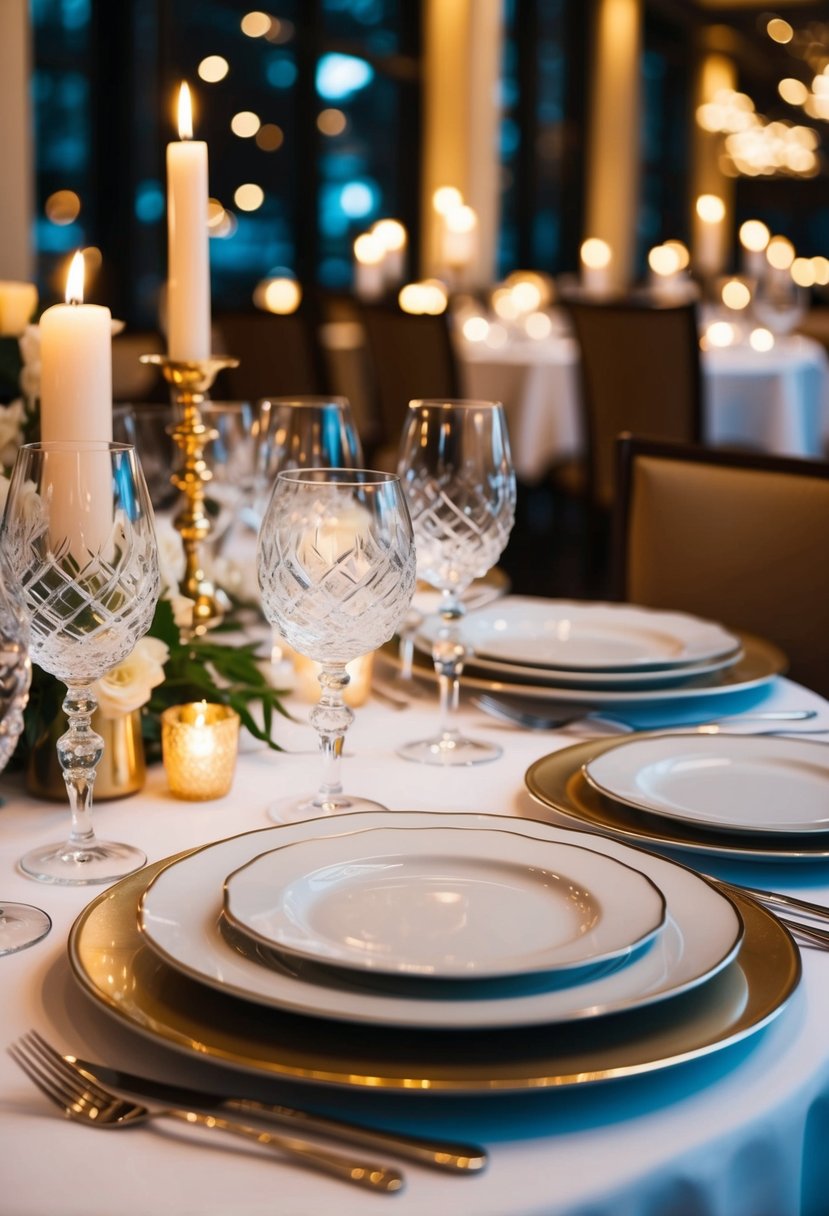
166	667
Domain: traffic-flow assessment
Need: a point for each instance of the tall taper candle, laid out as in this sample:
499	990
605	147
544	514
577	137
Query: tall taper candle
76	366
188	260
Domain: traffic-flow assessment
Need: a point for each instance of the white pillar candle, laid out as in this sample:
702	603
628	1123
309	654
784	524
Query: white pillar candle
76	366
188	259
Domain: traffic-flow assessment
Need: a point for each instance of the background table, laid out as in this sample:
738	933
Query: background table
740	1133
774	401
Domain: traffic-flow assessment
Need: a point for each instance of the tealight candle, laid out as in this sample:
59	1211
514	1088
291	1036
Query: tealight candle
199	742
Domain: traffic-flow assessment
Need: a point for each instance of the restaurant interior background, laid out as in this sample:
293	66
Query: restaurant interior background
553	120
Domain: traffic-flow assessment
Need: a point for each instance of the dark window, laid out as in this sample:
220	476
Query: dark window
543	82
310	116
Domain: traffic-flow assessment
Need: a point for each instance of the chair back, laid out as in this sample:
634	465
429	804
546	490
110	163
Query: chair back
411	356
734	537
278	355
640	368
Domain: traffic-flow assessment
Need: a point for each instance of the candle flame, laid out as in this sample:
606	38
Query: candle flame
185	112
74	280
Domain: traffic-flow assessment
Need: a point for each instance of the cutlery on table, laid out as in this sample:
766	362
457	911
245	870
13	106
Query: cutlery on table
460	1158
86	1102
534	719
792	903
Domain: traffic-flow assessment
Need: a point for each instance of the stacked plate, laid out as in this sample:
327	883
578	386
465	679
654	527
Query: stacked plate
745	796
432	952
601	654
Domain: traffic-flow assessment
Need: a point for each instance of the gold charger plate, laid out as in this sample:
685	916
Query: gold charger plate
119	973
557	781
761	661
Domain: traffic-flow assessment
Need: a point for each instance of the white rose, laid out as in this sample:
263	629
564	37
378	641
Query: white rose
11	431
129	685
170	555
182	610
29	343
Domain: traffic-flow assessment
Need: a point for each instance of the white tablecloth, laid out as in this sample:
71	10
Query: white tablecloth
740	1133
775	401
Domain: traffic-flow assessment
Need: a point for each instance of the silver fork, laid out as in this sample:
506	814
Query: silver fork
86	1102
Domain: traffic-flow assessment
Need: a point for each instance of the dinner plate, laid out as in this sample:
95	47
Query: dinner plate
739	782
668	677
761	661
180	913
135	987
582	636
443	903
558	781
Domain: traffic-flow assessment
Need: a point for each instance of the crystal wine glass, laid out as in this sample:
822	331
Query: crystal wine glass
779	303
336	567
78	532
303	433
457	473
21	925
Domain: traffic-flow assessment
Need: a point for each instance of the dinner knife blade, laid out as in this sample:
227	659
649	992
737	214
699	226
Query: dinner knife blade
448	1155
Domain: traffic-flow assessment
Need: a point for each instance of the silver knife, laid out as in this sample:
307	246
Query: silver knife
463	1158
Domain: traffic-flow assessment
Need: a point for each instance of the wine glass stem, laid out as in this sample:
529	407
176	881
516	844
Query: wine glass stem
331	718
448	656
79	754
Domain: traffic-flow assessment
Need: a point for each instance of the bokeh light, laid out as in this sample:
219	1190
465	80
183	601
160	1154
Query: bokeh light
213	68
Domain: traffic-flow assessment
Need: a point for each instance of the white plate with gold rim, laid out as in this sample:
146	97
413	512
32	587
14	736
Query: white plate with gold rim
180	915
444	903
740	783
576	636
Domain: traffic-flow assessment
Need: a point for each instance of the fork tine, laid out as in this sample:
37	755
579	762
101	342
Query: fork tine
43	1082
68	1092
69	1071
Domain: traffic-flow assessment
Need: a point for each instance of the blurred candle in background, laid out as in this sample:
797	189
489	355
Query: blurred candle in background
754	238
596	257
709	235
369	274
392	236
76	366
460	238
17	304
188	259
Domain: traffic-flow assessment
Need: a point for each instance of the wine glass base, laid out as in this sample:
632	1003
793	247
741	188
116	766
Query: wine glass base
21	925
70	865
446	750
295	810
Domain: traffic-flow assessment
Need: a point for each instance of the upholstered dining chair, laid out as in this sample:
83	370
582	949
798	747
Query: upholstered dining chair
279	355
640	372
736	537
410	355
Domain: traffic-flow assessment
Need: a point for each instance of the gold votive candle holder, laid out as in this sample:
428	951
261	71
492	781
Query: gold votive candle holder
199	743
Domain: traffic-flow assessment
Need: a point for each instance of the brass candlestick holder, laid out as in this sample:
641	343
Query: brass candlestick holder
190	382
